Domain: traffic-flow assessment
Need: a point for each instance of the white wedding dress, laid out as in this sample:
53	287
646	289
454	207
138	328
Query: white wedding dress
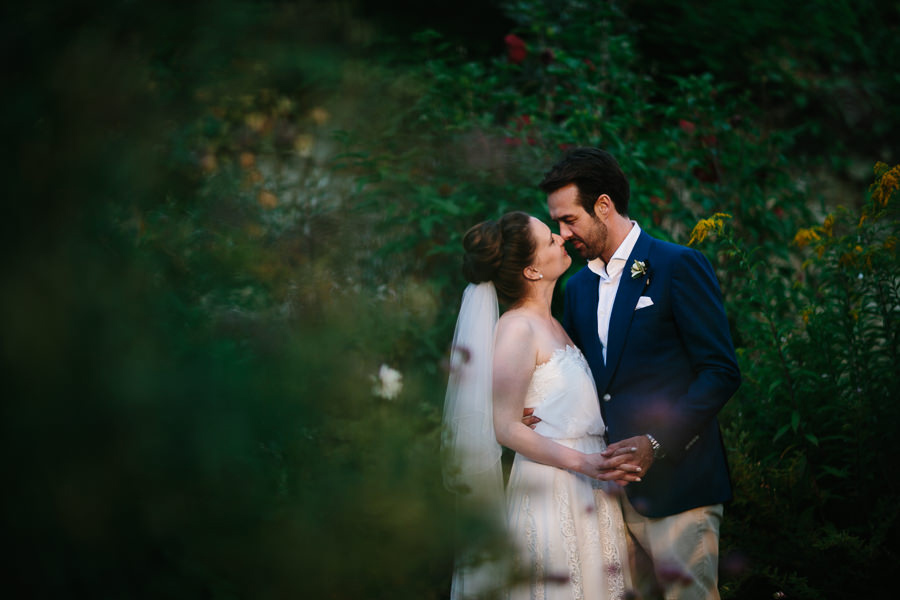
568	528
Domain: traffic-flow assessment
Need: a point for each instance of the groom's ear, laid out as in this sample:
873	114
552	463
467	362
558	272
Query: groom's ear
603	205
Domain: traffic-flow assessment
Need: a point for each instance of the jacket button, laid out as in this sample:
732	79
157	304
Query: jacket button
607	397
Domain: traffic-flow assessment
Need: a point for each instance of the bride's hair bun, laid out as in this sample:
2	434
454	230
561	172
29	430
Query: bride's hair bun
483	244
499	251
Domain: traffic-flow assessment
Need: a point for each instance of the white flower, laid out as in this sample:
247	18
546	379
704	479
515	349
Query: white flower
640	268
388	383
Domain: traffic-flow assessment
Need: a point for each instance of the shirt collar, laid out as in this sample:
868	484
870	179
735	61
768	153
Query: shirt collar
619	257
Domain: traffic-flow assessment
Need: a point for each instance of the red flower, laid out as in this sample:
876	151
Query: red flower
686	126
516	51
522	121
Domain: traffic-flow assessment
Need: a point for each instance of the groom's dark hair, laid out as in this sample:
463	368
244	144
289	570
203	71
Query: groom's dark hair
595	172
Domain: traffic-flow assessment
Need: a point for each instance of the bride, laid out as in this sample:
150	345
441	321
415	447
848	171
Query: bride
562	507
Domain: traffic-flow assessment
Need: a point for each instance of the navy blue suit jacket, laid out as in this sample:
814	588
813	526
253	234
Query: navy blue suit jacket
669	369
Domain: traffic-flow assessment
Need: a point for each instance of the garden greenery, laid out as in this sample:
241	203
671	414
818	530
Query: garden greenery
235	244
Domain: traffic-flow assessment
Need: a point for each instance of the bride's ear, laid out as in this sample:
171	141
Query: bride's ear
532	274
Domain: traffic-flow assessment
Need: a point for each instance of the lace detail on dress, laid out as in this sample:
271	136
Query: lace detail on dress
569	544
613	526
567	527
534	549
566	353
563	394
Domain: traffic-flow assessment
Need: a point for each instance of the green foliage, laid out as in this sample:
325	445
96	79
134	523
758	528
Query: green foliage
809	429
481	133
817	65
484	131
225	217
190	351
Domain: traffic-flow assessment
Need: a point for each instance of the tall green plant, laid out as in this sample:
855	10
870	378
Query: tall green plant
808	427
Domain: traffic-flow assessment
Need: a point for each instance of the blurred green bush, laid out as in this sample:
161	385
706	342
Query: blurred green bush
191	347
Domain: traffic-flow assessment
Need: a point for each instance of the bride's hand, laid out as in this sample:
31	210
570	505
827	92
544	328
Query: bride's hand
619	468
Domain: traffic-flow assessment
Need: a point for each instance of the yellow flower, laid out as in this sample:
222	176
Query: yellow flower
807	312
267	199
828	226
889	182
704	227
805	236
208	162
247	160
319	115
256	121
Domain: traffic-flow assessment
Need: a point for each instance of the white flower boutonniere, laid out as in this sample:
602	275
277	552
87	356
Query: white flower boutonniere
640	268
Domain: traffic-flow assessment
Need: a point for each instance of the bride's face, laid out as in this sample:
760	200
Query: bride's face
550	256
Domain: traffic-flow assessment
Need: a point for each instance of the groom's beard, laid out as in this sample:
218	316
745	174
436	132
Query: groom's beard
592	245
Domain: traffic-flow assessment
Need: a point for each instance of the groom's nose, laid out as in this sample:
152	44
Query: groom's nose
564	232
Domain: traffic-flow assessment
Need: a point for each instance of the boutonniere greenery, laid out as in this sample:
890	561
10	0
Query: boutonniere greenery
640	268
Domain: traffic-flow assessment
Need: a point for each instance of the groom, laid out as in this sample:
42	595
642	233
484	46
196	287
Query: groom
648	317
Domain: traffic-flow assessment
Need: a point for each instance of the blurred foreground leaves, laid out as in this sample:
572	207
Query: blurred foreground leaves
188	349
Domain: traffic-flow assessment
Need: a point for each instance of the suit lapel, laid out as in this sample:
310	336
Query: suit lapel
623	310
590	339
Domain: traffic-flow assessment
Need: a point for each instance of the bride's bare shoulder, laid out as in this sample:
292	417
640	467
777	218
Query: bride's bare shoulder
515	342
517	325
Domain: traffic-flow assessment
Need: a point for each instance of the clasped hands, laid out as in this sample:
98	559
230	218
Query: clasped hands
623	462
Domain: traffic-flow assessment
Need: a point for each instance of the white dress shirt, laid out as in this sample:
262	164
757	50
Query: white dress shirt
610	274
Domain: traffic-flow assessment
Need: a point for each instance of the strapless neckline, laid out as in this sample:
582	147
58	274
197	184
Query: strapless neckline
567	350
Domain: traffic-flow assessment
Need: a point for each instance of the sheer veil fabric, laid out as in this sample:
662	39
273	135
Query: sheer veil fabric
472	456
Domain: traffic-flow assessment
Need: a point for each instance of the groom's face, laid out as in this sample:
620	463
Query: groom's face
586	232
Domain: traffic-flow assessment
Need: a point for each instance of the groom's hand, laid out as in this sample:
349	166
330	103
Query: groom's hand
642	452
529	419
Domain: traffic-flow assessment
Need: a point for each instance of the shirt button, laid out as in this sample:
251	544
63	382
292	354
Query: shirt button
607	397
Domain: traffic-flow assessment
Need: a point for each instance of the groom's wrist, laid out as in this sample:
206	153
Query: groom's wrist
658	451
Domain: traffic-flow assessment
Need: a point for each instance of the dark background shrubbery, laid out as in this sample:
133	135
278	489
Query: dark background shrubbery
223	217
